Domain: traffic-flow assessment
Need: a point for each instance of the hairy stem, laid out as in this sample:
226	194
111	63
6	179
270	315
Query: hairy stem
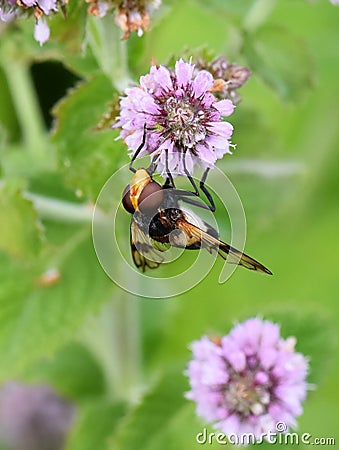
60	210
114	337
27	107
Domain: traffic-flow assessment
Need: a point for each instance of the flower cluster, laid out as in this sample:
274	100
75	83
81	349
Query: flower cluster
33	417
11	9
249	380
228	76
130	15
183	119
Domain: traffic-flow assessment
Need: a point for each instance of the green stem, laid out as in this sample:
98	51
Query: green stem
114	338
27	108
60	210
257	15
104	38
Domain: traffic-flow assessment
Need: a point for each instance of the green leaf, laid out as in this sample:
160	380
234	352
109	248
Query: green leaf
21	233
87	157
227	7
67	40
144	426
281	59
73	371
96	421
68	28
36	319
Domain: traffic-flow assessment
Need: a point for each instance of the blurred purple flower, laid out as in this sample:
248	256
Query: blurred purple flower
182	118
33	417
228	77
130	15
249	380
335	2
7	10
10	9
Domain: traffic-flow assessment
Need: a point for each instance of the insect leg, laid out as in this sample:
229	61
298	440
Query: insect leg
169	183
138	150
193	202
205	191
196	192
153	165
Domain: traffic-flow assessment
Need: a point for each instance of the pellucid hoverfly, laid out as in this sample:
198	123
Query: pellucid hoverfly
158	221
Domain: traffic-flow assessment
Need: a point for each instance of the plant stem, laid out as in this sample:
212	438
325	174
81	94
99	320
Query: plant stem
114	338
117	341
60	210
257	15
27	107
103	36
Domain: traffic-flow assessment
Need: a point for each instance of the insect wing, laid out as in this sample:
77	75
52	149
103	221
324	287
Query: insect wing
195	236
145	251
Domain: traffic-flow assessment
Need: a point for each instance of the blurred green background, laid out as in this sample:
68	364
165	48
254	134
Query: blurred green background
101	347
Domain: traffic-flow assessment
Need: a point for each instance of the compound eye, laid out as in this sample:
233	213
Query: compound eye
126	200
151	197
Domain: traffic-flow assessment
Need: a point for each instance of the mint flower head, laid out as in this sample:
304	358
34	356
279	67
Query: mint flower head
130	15
33	417
249	380
183	119
12	9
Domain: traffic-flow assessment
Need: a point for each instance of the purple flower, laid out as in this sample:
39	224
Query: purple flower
10	9
41	31
33	417
249	380
7	10
229	77
130	15
183	118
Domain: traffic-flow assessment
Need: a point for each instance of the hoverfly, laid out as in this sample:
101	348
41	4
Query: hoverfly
158	221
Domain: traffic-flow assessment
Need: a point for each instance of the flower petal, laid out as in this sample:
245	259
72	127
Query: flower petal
47	5
183	72
163	78
206	154
225	107
237	360
222	128
41	31
202	82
